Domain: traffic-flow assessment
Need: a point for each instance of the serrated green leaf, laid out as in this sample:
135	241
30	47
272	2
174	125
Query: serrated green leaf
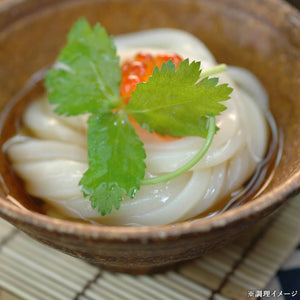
86	79
173	102
116	161
87	76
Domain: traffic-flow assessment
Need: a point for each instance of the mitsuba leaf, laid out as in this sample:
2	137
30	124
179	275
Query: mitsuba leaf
86	76
174	102
86	79
116	161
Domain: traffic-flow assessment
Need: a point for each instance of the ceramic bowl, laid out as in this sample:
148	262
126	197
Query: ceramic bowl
262	36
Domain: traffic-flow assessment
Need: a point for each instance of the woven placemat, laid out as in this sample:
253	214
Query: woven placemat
30	270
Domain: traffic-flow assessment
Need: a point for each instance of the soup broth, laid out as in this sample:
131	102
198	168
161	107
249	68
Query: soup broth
13	187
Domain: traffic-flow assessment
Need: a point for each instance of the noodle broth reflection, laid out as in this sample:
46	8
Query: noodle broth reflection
49	153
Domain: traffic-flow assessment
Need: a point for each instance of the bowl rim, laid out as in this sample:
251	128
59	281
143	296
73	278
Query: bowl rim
123	233
270	199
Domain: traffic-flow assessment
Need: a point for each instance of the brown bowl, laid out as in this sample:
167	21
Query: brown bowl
261	35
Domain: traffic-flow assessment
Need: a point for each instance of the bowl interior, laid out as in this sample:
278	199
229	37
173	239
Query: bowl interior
262	37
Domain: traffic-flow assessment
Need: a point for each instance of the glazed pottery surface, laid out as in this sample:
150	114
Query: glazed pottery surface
260	35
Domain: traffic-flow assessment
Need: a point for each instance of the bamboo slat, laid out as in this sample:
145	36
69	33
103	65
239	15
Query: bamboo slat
30	270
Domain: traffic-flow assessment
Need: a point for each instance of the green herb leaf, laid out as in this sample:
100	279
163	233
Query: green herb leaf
116	161
86	79
87	76
173	102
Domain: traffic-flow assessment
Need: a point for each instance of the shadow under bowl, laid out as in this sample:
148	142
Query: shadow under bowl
262	36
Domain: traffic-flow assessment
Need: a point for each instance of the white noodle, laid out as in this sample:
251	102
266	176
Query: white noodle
52	162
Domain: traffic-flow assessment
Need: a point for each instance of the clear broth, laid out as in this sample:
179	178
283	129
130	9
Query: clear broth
13	187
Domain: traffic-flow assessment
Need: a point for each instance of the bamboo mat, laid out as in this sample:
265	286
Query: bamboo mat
31	271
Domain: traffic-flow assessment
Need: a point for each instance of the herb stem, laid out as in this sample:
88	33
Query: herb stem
214	70
189	164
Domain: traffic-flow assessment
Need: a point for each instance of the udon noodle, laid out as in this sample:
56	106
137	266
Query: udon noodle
52	159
